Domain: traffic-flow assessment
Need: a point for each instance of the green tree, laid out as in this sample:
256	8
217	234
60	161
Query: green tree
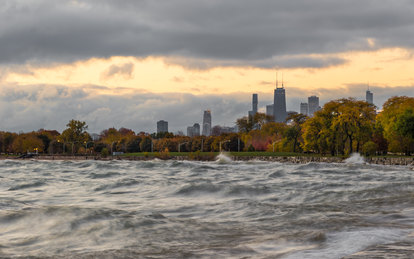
75	134
248	123
145	144
133	144
27	142
397	121
342	126
294	130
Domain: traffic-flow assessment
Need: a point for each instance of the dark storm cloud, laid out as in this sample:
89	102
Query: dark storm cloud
27	108
47	106
250	33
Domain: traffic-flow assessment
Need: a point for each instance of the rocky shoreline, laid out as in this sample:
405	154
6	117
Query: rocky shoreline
405	161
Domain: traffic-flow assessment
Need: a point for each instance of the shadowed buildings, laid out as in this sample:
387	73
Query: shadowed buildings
193	131
369	97
304	109
207	123
269	110
162	126
254	105
313	105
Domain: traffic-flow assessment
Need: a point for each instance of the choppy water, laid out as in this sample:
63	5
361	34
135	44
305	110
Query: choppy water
224	209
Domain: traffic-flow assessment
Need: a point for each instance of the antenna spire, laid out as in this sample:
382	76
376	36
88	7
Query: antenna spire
276	78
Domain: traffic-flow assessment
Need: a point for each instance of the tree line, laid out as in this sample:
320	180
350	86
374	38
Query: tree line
341	127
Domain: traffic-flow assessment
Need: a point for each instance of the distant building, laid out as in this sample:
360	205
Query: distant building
313	105
279	104
254	105
207	123
304	109
369	97
193	131
218	130
162	126
95	136
269	110
196	128
190	131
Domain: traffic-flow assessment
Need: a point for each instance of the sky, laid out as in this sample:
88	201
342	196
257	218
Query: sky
130	63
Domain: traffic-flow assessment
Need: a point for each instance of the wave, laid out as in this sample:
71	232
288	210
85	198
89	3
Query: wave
118	184
198	188
103	175
27	185
226	190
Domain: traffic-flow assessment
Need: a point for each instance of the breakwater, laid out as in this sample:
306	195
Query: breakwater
407	161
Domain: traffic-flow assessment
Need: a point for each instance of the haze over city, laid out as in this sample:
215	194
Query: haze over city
132	63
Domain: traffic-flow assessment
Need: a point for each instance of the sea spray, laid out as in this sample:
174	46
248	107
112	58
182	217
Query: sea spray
355	158
223	158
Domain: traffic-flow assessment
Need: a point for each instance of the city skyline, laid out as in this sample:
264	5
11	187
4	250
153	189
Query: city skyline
308	108
129	64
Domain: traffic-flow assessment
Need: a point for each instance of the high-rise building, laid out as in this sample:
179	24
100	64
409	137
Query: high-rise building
369	97
190	131
269	110
254	105
313	104
196	127
304	109
162	126
207	123
279	104
193	131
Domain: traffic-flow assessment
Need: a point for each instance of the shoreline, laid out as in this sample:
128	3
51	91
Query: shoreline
405	161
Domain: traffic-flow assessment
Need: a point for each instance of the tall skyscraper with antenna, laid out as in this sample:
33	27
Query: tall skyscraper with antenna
279	103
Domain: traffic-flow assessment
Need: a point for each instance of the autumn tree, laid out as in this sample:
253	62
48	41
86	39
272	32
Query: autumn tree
75	134
248	123
27	142
6	142
397	120
294	131
342	125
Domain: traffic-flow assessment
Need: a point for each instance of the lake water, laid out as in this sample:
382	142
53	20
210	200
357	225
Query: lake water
184	209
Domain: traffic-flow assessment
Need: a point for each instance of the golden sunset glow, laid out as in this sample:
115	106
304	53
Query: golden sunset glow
385	67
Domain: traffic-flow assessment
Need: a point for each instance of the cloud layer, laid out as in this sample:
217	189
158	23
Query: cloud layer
262	33
51	107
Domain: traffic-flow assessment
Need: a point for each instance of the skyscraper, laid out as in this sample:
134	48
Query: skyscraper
207	123
304	109
162	126
193	131
254	106
313	104
269	110
196	128
369	97
279	104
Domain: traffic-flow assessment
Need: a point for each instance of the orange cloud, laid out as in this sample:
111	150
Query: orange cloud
384	67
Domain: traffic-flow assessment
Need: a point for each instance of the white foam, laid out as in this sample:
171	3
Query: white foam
355	158
223	158
345	243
